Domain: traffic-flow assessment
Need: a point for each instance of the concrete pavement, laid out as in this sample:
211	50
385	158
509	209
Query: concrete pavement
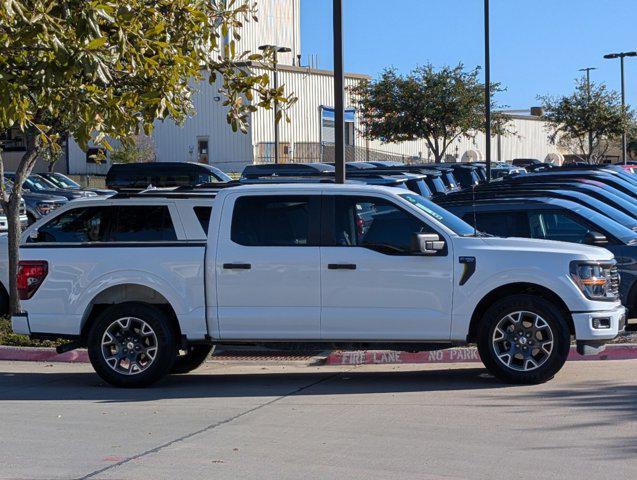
269	422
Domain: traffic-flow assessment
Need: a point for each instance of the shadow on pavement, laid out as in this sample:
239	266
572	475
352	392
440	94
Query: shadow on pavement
88	386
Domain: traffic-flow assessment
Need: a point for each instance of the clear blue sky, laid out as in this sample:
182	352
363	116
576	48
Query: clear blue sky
537	46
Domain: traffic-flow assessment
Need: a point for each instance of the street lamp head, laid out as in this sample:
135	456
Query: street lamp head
631	54
612	55
275	48
587	69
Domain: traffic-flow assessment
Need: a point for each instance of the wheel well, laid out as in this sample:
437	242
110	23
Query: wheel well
515	289
128	293
631	301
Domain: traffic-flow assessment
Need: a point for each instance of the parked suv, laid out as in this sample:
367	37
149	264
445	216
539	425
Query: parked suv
135	177
318	264
557	219
36	184
62	181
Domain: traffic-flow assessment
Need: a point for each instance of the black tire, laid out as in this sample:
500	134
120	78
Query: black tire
4	301
161	341
194	357
496	348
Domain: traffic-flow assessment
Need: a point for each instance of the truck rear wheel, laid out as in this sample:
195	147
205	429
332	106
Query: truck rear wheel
131	345
195	355
523	339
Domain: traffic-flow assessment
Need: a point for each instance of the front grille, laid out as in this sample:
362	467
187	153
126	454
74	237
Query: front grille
614	282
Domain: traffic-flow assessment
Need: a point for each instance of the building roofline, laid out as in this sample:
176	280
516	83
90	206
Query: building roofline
306	70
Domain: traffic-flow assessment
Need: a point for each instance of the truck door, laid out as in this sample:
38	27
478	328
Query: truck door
374	287
267	265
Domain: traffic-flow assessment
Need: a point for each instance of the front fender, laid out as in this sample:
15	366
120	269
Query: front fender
468	296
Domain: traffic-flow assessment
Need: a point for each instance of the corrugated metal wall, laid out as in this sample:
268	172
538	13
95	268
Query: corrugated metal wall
279	24
302	136
315	88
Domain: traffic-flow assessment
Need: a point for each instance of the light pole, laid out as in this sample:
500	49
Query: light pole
275	51
339	94
487	90
588	93
621	56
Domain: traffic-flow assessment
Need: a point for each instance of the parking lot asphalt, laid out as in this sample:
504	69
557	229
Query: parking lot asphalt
59	421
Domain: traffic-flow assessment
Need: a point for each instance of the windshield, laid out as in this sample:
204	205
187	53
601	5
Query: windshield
439	184
445	217
38	183
218	175
605	208
451	180
62	181
618	231
424	189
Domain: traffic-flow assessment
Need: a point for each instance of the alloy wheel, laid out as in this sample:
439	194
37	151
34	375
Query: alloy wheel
129	345
522	341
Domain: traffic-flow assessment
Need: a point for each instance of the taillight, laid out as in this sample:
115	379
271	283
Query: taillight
31	274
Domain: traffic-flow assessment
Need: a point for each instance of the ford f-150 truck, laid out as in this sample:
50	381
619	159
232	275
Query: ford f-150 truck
150	282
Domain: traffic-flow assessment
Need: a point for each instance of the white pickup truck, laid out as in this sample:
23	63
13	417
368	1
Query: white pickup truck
150	282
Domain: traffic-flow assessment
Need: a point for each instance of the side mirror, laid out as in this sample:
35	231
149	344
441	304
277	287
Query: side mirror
428	243
595	238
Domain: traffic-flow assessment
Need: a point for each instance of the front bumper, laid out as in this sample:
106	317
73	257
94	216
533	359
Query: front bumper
585	330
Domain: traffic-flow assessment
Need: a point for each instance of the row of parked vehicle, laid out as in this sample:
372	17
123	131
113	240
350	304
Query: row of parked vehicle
45	192
283	257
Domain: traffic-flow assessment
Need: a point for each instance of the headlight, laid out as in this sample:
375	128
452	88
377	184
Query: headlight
596	280
45	208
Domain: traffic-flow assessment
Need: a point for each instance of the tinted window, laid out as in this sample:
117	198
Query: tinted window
376	224
78	225
500	224
142	223
557	226
271	221
203	215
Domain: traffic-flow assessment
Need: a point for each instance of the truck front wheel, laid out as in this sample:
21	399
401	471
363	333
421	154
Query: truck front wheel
131	345
523	339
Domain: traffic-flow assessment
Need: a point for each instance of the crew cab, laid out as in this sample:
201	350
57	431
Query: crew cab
150	282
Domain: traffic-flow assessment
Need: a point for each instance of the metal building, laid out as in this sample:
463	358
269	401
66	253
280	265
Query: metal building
206	137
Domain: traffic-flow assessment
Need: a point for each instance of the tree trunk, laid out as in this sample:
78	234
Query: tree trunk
15	230
12	210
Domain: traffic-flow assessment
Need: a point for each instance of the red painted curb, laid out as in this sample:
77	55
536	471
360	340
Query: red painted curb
458	355
40	354
367	357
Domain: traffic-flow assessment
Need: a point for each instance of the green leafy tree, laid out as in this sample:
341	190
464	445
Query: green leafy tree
586	123
107	69
437	106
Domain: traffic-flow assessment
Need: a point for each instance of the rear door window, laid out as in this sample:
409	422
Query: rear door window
281	221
